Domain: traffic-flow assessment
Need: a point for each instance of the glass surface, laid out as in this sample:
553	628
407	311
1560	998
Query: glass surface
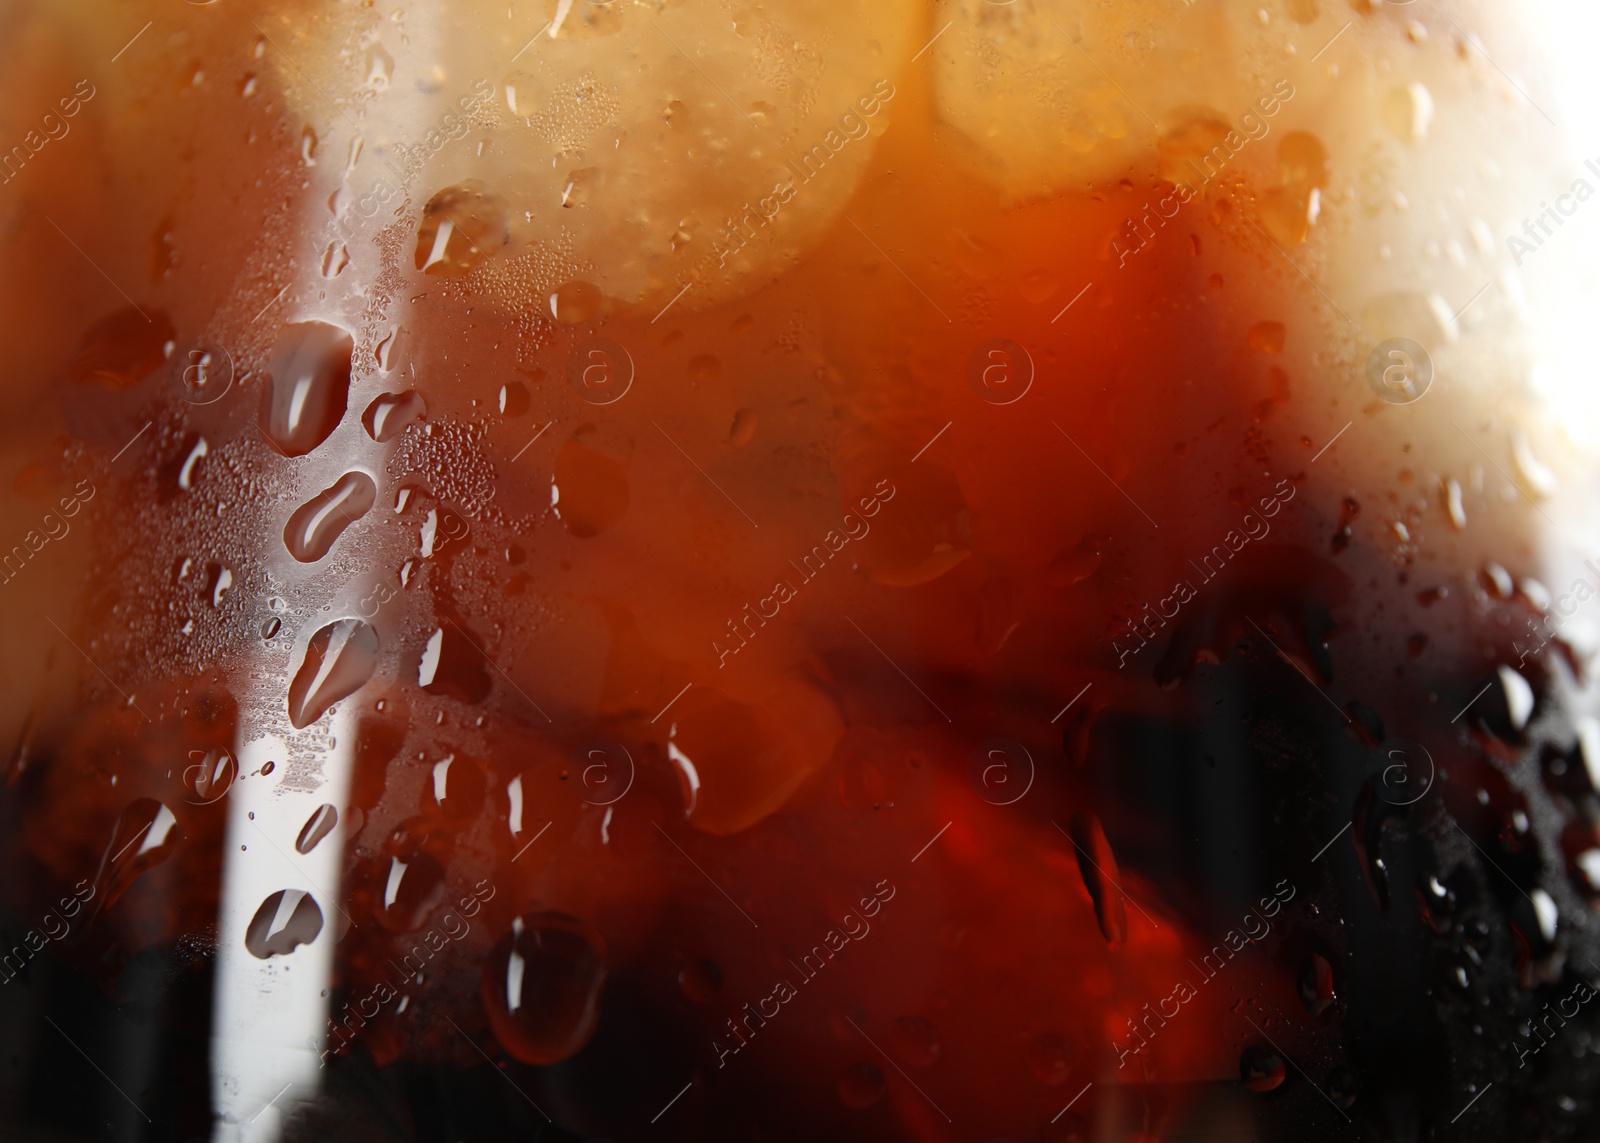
936	570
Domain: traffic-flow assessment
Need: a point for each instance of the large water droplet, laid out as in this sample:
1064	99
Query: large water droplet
413	887
455	788
310	385
1098	866
286	920
576	302
122	348
146	834
316	524
317	827
541	987
452	666
1261	1068
339	659
210	773
588	489
391	412
461	226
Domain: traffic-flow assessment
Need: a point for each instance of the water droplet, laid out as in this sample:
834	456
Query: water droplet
1049	1058
541	987
451	666
308	146
1098	867
1077	563
334	259
218	580
591	487
1316	984
1261	1068
703	367
380	66
413	887
700	980
1341	1087
146	834
310	385
1266	337
315	525
121	349
317	827
455	789
513	399
1518	695
919	539
285	921
1408	110
187	471
339	659
861	1085
461	227
391	412
575	302
744	427
210	773
384	351
269	626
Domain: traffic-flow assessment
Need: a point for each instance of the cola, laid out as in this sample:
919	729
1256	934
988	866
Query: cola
784	571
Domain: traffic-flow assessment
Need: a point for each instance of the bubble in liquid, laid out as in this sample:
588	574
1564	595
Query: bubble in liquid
541	987
285	921
389	413
412	887
461	227
339	659
317	827
309	387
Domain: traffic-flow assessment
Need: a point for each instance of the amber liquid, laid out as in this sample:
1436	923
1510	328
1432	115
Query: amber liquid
947	690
